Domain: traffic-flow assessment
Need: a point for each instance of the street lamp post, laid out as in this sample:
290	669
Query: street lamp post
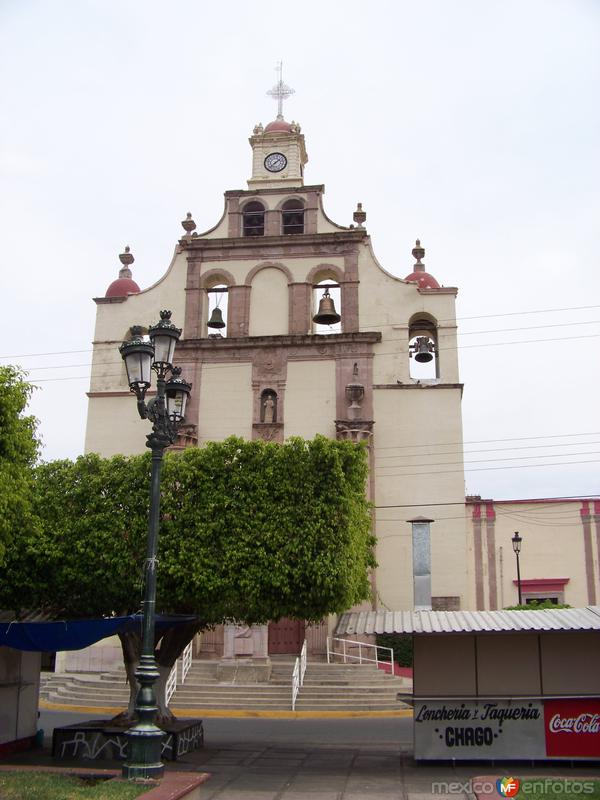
516	543
166	411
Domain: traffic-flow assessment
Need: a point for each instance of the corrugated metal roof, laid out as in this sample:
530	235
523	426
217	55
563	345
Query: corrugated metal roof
560	619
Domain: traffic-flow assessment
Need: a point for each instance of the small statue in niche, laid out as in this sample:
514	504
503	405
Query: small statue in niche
268	406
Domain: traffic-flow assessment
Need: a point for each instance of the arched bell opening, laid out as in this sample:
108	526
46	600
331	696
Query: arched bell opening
268	406
327	300
292	217
253	219
423	349
216	320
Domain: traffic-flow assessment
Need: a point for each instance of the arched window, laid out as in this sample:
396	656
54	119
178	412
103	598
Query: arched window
254	219
422	349
292	216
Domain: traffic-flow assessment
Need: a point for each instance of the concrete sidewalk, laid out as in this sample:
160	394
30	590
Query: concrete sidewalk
325	760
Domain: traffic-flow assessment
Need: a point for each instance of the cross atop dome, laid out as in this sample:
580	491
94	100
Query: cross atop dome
280	91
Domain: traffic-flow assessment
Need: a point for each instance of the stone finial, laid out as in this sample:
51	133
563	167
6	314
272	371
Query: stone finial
188	224
258	129
359	215
126	258
419	253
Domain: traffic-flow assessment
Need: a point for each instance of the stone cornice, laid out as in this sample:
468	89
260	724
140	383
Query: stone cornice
418	386
291	244
288	340
277	190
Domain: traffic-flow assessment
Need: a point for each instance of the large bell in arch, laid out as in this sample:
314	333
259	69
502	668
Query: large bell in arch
423	349
216	319
326	315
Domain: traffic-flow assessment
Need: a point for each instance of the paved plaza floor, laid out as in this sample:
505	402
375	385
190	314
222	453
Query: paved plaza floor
324	759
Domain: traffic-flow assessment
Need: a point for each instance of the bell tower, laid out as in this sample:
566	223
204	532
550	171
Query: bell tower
278	150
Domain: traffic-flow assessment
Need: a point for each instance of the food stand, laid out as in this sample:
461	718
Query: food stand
495	685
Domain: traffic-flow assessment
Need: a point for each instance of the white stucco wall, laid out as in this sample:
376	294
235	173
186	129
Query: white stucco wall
269	303
310	399
225	402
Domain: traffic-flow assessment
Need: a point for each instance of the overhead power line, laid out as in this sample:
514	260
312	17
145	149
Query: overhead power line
481	461
384	353
488	450
392	324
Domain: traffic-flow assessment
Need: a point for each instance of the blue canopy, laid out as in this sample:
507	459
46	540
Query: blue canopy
75	634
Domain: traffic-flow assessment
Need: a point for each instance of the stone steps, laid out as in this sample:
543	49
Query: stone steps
327	687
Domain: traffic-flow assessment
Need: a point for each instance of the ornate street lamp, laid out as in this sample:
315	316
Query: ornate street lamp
516	543
166	411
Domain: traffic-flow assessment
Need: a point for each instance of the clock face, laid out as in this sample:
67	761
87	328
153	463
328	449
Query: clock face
275	162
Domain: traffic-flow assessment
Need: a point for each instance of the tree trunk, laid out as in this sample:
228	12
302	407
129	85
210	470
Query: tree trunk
172	643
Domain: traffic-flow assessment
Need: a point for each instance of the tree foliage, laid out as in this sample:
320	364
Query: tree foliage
250	531
19	449
536	605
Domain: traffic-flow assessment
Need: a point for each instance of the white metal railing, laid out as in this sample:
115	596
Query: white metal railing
302	663
333	651
171	684
295	683
298	674
185	661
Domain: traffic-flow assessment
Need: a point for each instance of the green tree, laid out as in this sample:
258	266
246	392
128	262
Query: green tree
19	448
250	531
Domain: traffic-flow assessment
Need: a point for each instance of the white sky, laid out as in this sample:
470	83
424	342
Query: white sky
472	125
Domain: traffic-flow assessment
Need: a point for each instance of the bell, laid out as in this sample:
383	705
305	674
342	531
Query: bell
423	350
216	319
326	315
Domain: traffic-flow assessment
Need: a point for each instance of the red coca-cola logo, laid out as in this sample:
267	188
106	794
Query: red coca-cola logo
572	727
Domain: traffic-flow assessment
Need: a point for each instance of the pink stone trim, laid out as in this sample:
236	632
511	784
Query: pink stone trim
268	265
192	323
543	584
586	520
300	307
210	274
491	554
478	554
279	205
234	216
238	311
325	267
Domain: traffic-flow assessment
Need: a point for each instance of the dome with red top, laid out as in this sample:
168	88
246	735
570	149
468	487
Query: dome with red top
418	275
424	279
124	284
122	287
279	126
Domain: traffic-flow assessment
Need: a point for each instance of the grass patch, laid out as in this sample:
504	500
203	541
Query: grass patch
54	786
559	788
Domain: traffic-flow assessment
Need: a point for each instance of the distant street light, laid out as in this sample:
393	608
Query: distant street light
166	411
516	543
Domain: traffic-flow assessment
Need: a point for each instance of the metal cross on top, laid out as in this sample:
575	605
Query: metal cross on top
280	91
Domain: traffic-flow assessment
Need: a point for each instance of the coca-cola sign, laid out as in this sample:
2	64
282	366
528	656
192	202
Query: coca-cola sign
572	727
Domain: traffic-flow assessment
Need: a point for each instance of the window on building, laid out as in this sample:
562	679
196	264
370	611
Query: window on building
539	599
421	541
216	321
292	217
254	219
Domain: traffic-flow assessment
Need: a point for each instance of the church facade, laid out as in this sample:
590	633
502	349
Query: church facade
291	327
